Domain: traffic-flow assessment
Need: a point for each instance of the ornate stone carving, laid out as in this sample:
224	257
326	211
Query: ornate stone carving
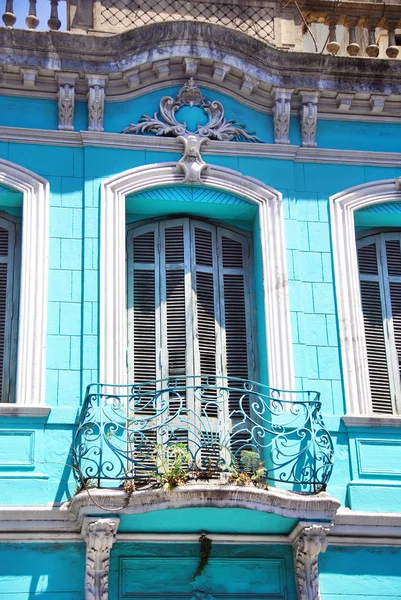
307	548
66	101
100	536
191	163
282	113
164	122
96	102
308	116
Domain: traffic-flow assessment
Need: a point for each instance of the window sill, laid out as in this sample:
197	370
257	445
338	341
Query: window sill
371	421
24	410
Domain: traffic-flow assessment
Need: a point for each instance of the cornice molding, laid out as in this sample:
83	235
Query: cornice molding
142	142
224	60
49	524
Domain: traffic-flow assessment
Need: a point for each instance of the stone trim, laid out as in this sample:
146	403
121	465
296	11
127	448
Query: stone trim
113	312
350	317
141	142
30	388
99	536
369	421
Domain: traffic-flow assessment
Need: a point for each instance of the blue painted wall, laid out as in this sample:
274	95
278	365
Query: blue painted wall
75	175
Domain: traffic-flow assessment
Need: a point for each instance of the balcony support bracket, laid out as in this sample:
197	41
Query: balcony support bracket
100	535
307	548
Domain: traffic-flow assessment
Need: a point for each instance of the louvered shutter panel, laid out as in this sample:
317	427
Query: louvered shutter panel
236	311
372	283
7	267
175	299
143	302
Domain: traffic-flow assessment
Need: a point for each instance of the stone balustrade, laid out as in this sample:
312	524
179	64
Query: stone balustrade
10	18
353	28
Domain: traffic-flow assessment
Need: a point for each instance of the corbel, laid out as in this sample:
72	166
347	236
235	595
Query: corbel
161	69
132	78
220	71
29	77
376	103
308	117
281	114
191	66
96	96
66	100
344	101
307	547
249	84
99	535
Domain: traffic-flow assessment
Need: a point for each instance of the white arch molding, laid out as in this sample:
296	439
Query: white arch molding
30	386
113	311
350	316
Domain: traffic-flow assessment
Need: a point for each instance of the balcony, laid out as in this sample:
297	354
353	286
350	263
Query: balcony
185	430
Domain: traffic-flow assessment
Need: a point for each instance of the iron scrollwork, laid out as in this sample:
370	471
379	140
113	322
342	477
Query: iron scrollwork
227	425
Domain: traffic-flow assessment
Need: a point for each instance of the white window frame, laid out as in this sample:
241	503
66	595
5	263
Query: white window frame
350	317
30	382
113	304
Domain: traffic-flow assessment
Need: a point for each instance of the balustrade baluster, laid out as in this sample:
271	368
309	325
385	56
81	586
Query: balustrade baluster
32	20
54	22
353	47
9	17
373	49
333	46
392	50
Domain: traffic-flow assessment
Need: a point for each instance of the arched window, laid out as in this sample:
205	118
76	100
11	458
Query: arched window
379	261
189	301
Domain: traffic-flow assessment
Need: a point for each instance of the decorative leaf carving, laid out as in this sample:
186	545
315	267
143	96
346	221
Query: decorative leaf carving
164	121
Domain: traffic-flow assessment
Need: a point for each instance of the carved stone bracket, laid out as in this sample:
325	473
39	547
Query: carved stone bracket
100	536
66	100
308	117
307	548
191	163
96	96
282	113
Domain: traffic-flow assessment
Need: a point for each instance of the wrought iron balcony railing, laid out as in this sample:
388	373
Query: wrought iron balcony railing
215	427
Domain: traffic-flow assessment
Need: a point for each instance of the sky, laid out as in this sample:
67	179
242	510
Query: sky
42	11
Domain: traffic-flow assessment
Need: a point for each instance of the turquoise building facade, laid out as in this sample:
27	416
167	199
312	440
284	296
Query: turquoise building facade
314	202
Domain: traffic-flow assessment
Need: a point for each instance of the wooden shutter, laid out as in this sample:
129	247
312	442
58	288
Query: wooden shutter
8	307
379	259
189	303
